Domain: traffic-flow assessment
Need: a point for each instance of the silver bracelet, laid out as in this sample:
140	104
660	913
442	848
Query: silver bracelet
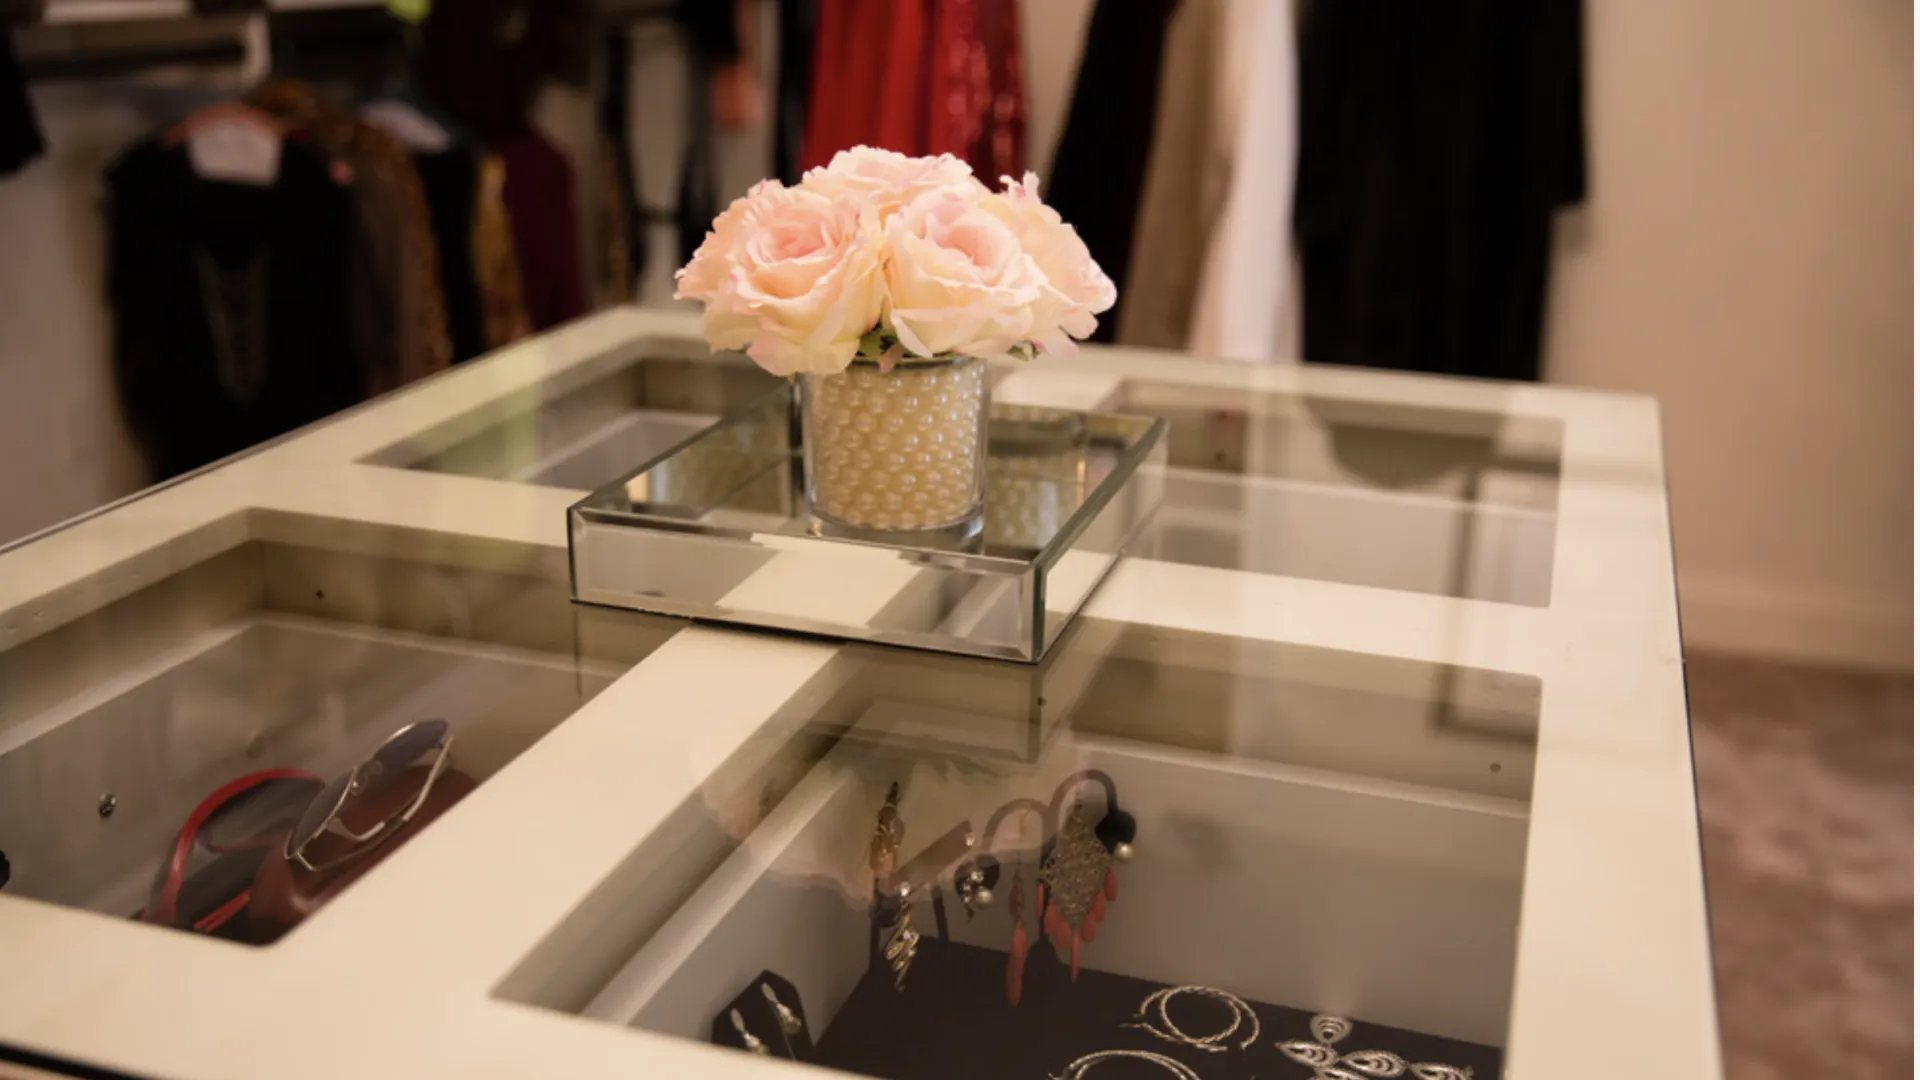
1079	1068
1161	1026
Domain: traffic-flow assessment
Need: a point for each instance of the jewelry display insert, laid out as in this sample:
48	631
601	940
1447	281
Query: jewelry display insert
1154	850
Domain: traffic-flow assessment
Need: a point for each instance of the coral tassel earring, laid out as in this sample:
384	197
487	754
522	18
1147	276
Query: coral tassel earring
1017	963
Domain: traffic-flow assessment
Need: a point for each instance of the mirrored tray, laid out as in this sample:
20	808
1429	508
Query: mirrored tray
717	528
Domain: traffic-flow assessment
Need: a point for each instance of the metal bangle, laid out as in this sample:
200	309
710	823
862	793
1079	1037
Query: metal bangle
1166	1030
1079	1068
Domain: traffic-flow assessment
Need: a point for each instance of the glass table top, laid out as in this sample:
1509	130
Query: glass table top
1293	830
1382	701
695	530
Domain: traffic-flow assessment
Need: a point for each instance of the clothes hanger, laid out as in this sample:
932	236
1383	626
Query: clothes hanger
404	121
232	142
399	109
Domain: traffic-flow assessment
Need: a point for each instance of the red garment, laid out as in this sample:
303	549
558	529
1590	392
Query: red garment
866	86
1004	148
539	196
919	77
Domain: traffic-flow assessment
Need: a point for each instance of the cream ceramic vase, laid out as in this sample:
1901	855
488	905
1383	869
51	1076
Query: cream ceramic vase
898	454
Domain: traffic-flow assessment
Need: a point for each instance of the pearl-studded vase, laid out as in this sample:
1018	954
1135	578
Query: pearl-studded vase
897	452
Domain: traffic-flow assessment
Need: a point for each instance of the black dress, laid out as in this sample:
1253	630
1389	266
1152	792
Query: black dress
240	312
451	180
1100	165
1436	141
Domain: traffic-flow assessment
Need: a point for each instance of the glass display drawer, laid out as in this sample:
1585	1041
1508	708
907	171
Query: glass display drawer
154	751
1367	757
586	427
1253	838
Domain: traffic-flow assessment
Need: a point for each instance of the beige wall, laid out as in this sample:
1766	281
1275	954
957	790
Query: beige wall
1747	256
63	447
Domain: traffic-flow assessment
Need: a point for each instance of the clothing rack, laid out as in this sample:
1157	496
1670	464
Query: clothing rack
88	50
613	13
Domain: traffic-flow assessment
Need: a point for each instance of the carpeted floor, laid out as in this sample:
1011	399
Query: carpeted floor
1806	807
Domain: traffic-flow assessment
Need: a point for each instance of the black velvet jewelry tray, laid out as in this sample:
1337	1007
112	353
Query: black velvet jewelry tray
953	1022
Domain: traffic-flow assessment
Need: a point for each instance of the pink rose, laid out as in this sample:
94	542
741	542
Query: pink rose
887	181
957	280
791	276
706	272
1074	288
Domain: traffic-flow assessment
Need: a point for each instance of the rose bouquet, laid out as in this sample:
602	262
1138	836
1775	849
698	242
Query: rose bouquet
890	258
920	271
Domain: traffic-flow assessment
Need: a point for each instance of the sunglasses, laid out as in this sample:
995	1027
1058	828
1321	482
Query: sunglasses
206	878
391	763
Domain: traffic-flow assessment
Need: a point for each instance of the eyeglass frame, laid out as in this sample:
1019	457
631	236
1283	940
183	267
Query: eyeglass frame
296	849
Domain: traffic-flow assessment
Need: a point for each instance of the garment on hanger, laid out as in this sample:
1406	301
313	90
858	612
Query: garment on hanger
238	315
866	89
799	22
1437	141
397	227
626	244
1244	308
1189	175
496	263
20	138
977	101
544	212
614	281
451	181
486	61
448	166
930	77
1100	166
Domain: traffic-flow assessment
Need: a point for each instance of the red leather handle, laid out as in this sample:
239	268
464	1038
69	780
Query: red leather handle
165	908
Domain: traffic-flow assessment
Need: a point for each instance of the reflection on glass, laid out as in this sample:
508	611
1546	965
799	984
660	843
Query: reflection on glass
947	867
586	428
717	527
1441	501
157	752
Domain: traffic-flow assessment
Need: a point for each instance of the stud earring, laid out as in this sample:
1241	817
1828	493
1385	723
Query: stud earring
747	1038
974	883
789	1023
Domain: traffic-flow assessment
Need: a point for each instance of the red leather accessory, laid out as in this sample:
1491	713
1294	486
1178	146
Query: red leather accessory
285	893
205	879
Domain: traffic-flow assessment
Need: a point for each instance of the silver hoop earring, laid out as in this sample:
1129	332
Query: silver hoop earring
1154	1019
747	1038
1079	1068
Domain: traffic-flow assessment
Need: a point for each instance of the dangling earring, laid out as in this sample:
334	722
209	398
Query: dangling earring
1017	952
903	941
1077	873
976	879
789	1023
883	856
747	1038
